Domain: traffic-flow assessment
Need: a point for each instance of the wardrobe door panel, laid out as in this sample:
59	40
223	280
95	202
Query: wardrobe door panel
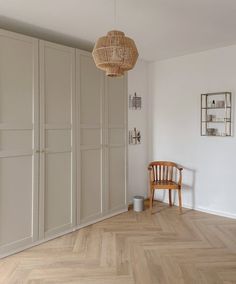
58	79
57	199
116	101
90	90
117	177
18	141
117	136
90	137
90	200
57	139
15	199
17	77
11	140
116	105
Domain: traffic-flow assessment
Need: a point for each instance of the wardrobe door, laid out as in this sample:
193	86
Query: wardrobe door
57	139
18	141
90	155
116	128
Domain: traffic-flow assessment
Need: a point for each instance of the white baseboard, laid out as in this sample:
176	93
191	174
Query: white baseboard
206	210
209	211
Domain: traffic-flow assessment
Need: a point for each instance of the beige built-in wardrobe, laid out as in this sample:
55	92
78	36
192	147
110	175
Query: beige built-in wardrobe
63	141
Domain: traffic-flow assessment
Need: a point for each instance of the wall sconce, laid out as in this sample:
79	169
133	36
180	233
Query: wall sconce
134	136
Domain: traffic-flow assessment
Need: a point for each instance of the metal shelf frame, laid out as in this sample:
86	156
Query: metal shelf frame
224	118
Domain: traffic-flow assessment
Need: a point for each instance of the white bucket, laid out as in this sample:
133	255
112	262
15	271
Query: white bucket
138	203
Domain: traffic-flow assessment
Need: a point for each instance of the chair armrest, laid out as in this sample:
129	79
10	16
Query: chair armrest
180	176
150	174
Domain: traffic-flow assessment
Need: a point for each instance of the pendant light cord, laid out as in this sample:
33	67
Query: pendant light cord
115	14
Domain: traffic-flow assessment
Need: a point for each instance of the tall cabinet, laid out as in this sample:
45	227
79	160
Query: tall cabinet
115	128
102	116
90	103
63	139
57	203
19	140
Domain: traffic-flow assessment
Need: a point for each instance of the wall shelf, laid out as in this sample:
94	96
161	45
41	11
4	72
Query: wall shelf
216	114
217	121
216	107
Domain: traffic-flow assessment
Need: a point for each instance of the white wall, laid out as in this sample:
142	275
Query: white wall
137	154
175	87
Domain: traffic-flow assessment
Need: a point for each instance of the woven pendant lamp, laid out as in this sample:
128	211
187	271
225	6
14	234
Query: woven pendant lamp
115	53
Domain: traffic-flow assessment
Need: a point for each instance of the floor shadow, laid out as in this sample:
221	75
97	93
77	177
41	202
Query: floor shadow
188	185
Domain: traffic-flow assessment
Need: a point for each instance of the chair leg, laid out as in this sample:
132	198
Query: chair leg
152	190
170	198
180	200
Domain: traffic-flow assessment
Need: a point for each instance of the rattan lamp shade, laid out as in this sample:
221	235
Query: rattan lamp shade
115	53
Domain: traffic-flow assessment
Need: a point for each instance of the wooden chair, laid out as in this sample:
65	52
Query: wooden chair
162	175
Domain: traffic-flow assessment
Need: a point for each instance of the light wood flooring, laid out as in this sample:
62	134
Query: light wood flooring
134	248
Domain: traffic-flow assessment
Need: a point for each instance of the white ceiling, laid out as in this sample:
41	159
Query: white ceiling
161	28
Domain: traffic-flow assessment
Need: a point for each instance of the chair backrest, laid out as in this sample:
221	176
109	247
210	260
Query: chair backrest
163	170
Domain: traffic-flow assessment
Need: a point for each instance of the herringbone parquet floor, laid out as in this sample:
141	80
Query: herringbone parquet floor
134	248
